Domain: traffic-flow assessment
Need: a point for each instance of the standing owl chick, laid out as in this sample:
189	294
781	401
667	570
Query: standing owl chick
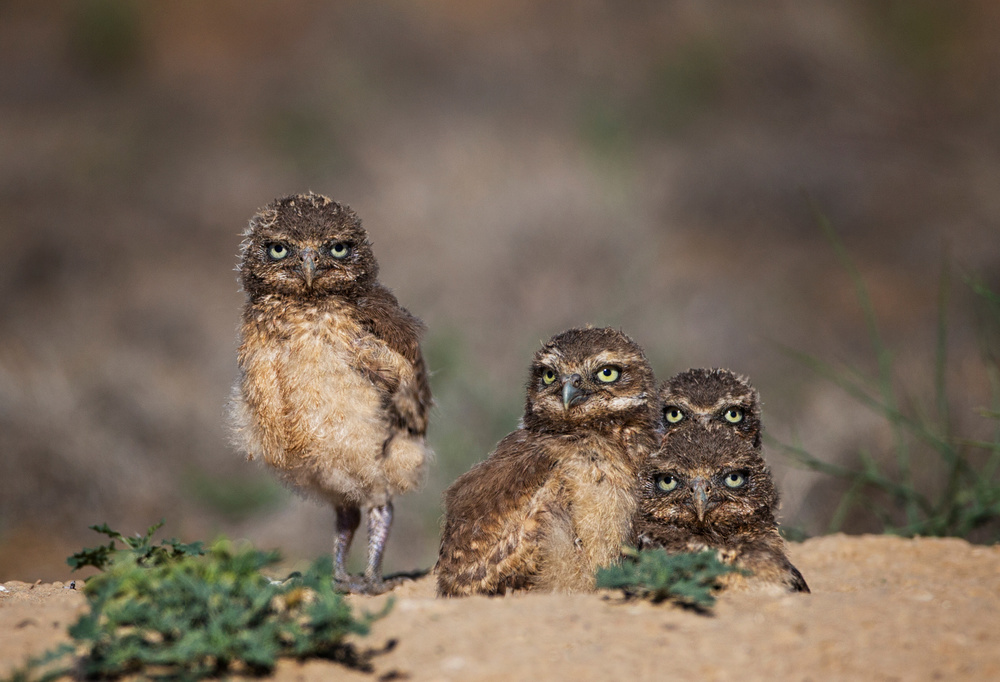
710	489
333	392
713	398
555	500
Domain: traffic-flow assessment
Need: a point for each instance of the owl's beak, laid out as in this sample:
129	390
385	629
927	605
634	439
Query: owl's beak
308	266
572	393
699	494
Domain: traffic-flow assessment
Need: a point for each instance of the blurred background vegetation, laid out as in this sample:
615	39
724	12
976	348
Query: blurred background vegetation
521	168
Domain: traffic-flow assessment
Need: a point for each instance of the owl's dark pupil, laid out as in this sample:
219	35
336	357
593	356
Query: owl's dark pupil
666	482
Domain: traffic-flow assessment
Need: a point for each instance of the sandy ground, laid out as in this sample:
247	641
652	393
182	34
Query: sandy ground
881	608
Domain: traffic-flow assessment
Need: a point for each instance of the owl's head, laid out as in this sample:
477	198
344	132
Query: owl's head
306	245
713	398
708	479
592	377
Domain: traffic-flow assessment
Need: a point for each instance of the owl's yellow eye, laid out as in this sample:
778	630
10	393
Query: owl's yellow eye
734	415
340	249
734	479
666	482
277	251
608	374
549	377
673	414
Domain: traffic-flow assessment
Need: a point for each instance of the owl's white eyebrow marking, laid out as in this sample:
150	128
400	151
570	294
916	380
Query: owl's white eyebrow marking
725	401
626	401
552	356
606	358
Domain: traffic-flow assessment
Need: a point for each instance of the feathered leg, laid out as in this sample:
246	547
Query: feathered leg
379	523
348	520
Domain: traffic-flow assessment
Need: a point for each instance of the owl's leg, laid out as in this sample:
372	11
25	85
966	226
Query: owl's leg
379	522
348	520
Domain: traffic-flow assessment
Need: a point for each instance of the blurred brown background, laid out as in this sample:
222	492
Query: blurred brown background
521	167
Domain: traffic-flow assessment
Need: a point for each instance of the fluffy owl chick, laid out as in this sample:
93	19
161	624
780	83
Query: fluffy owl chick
555	500
333	392
712	398
710	489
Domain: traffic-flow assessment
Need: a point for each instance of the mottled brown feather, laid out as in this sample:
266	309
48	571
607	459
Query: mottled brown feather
703	396
555	500
738	522
333	392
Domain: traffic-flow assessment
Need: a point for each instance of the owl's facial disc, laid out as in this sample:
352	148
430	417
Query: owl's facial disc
573	392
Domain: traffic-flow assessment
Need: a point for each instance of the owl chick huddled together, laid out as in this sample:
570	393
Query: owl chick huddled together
333	392
333	395
708	487
555	500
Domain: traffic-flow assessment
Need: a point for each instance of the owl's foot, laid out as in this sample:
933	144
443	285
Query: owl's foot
350	584
391	582
358	584
372	582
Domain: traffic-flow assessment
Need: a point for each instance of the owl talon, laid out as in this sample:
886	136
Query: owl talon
356	584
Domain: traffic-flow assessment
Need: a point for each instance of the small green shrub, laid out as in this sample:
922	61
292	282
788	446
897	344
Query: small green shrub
690	580
176	611
140	547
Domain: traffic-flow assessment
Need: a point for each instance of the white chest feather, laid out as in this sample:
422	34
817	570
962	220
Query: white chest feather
310	410
603	501
327	400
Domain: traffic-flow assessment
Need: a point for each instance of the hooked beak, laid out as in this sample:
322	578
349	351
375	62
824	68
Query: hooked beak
571	392
308	266
699	495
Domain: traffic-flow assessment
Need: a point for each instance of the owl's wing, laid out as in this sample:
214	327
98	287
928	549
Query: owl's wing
494	518
765	557
381	314
407	387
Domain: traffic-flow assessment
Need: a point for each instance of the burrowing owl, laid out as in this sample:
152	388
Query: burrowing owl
555	500
333	392
710	489
713	398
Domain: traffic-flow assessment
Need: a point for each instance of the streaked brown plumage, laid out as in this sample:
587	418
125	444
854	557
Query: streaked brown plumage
709	488
713	398
333	392
555	500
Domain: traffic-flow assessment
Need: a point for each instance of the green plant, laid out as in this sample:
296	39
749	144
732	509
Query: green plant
190	615
963	498
140	547
689	579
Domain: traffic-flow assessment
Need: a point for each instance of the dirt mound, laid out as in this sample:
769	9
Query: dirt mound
881	608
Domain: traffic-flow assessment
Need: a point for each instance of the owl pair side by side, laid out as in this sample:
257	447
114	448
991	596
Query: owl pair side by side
555	499
333	392
708	487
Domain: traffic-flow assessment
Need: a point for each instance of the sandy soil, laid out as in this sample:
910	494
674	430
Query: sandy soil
882	608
